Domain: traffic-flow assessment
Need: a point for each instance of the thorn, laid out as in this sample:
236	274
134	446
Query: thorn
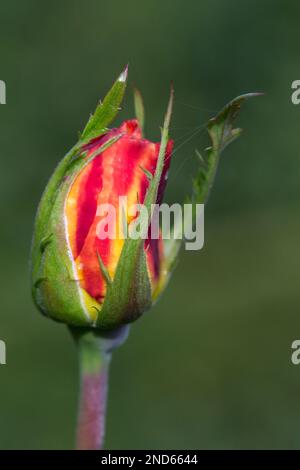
147	173
45	241
39	281
199	156
139	107
103	270
97	309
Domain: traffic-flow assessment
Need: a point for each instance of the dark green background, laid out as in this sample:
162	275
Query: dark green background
210	366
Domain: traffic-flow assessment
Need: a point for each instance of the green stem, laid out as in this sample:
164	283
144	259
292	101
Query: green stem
95	352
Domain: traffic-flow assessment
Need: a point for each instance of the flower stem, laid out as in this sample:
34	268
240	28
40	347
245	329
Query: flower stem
94	364
95	352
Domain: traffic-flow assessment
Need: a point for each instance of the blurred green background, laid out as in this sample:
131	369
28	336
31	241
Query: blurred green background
210	366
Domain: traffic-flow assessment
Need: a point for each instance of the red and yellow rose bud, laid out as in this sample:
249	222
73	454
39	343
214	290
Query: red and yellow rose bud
75	273
84	280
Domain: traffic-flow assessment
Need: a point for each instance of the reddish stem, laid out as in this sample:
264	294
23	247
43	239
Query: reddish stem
95	350
92	408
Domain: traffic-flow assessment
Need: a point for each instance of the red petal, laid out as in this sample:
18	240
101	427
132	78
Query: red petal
113	173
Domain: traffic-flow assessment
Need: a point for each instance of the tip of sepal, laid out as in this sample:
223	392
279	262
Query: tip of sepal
106	110
139	107
170	107
123	75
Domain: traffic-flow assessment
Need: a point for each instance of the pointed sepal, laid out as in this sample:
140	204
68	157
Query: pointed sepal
106	111
222	133
139	108
130	293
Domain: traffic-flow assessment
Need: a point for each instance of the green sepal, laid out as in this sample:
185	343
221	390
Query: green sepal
130	294
103	270
147	173
221	132
105	111
54	291
139	108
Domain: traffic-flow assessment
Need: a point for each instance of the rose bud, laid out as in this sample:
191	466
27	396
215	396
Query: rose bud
80	278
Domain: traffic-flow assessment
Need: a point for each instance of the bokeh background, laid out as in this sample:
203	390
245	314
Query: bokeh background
210	366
